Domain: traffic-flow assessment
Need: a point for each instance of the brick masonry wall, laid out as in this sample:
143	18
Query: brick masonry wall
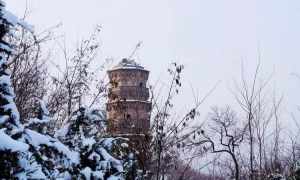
128	108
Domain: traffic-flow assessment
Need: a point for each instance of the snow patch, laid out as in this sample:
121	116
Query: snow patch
106	156
13	20
7	143
38	139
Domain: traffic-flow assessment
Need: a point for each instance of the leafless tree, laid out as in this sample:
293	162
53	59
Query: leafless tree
72	88
29	69
226	136
253	99
171	132
258	125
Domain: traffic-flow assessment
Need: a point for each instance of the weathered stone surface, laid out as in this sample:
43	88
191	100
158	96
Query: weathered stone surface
128	107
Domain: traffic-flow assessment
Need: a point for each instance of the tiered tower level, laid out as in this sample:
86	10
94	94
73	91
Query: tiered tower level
128	106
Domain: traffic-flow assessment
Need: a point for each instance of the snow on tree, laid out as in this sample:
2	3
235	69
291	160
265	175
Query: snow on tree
42	121
100	157
56	159
16	161
9	114
85	124
276	176
295	175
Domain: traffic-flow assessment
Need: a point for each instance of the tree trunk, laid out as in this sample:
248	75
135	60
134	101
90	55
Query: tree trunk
251	144
236	167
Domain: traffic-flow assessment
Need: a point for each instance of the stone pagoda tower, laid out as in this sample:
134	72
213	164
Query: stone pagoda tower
128	107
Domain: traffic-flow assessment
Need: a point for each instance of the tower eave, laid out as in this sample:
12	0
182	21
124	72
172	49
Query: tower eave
126	68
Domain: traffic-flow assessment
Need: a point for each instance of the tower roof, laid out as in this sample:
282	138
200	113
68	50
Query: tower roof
128	64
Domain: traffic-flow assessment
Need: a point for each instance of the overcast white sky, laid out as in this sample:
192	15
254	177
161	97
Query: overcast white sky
210	37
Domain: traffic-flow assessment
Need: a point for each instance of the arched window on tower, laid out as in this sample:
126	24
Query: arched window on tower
128	117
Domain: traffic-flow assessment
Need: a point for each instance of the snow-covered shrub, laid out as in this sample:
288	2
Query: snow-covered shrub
84	126
100	157
296	172
276	176
41	122
16	161
54	157
9	114
9	164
